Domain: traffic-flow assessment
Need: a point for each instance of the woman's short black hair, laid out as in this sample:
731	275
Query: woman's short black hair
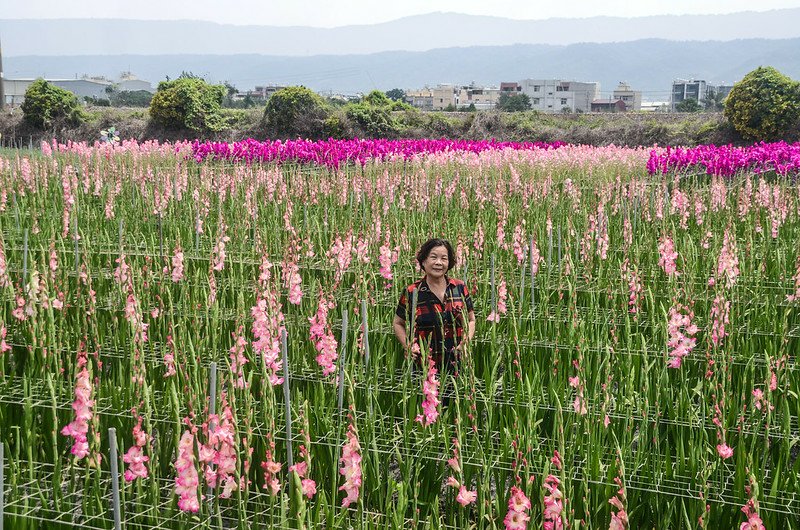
425	250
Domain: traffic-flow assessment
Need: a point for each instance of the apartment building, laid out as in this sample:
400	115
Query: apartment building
556	95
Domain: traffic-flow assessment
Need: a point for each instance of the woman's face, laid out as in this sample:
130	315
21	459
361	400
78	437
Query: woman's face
437	262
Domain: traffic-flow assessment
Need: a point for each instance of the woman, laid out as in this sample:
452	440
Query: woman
444	313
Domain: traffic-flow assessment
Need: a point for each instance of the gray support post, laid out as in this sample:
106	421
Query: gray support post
114	460
533	281
522	285
286	399
212	402
342	352
549	251
365	331
494	293
77	249
2	484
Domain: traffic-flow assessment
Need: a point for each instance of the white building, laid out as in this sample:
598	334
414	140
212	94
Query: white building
631	98
91	87
556	95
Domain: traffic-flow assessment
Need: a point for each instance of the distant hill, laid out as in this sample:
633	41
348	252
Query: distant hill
416	33
648	65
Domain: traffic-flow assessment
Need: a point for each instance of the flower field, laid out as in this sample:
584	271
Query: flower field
199	336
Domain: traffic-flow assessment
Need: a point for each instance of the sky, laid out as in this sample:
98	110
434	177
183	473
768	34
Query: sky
327	13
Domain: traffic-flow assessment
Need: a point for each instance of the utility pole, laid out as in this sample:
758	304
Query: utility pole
2	88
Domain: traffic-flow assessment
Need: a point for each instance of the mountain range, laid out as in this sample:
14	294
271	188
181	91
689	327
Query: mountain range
22	37
648	65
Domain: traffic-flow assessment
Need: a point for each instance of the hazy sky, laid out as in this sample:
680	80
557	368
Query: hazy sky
328	13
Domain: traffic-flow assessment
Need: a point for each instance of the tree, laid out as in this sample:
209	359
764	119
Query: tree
764	105
188	103
513	102
396	94
714	100
45	104
296	111
688	105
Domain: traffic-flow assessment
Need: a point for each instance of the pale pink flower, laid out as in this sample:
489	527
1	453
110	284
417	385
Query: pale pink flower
753	522
322	337
387	258
267	325
309	487
728	262
553	504
218	253
724	451
518	506
466	497
79	427
136	461
4	347
720	315
271	469
351	467
668	256
292	281
681	335
430	389
187	479
238	358
177	265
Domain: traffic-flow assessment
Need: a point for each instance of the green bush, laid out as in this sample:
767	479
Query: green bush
296	111
46	104
764	105
374	121
188	103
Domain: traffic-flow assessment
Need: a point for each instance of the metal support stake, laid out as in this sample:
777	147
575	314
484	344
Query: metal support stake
212	402
494	294
549	251
342	352
286	399
114	459
522	284
77	249
533	281
365	331
2	483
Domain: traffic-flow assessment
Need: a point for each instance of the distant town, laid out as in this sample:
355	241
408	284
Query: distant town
543	95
